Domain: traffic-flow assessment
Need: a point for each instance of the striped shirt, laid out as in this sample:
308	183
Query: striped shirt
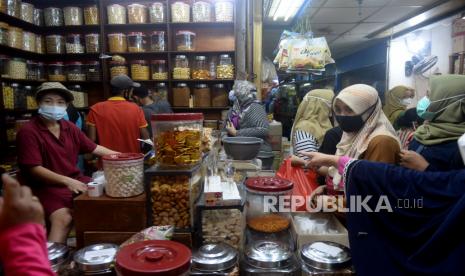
304	142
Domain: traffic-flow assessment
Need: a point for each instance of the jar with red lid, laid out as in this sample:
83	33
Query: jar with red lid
136	42
157	257
157	41
268	204
75	71
158	68
185	41
56	71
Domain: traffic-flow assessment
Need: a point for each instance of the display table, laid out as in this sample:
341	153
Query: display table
105	219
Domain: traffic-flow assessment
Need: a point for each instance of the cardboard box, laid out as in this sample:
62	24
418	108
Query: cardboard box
302	238
458	44
458	27
276	134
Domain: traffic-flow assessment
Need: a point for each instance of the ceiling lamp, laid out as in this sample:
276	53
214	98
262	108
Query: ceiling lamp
283	10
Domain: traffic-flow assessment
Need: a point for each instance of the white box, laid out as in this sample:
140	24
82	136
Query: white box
458	27
458	44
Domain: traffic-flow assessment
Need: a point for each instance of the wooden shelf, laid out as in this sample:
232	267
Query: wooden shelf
203	24
18	22
139	53
39	82
201	81
83	29
69	56
201	52
14	52
145	26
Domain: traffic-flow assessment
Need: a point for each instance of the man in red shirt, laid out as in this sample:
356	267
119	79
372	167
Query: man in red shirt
48	149
117	123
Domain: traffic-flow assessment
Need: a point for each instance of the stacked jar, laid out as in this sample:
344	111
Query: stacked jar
181	70
13	8
116	14
140	70
27	12
56	71
93	71
157	12
75	71
136	42
15	37
180	12
53	17
159	71
3	33
55	44
157	41
118	67
201	11
200	70
224	11
73	16
137	14
91	15
92	43
225	68
39	17
17	68
29	41
74	44
185	40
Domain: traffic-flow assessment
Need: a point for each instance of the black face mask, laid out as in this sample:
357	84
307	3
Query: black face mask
353	123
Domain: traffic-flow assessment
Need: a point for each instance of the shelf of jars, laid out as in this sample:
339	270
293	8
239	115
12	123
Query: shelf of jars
19	23
202	81
200	108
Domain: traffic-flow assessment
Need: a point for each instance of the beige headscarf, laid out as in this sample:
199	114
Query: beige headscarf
359	98
313	114
393	107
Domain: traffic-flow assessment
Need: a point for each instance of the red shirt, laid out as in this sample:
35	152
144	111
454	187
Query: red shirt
118	123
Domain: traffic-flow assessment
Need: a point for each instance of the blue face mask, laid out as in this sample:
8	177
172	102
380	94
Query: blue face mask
424	103
52	112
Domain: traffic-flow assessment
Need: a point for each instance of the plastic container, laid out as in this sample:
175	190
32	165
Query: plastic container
157	41
118	68
181	68
74	44
117	43
124	173
159	70
13	7
56	71
73	16
8	98
177	139
224	11
91	15
202	11
55	44
181	95
31	70
75	71
214	259
41	72
223	226
27	12
202	95
17	68
180	12
185	41
116	14
3	33
137	14
92	43
140	70
40	44
200	70
136	42
219	95
31	103
93	71
29	41
157	12
38	17
53	17
225	68
259	219
15	37
156	258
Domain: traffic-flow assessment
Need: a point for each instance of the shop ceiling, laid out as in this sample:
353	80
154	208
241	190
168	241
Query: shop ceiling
348	25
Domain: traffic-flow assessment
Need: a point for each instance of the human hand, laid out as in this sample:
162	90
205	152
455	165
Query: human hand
74	185
412	160
319	159
231	129
18	205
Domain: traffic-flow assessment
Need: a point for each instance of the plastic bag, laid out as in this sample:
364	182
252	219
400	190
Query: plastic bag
151	233
304	181
268	71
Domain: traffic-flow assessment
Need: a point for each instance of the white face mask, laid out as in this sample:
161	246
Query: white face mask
461	143
52	112
406	101
232	97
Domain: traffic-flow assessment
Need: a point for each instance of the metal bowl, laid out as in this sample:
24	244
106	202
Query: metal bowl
242	148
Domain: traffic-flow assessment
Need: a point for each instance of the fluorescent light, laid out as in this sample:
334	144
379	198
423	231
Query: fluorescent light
297	4
284	9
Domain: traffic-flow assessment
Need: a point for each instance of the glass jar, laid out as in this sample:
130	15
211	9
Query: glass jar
96	259
3	6
200	70
181	68
73	16
15	37
91	15
161	91
159	71
53	17
4	66
92	43
140	70
137	14
183	128
31	70
202	95
157	12
225	68
215	258
8	97
38	17
118	68
40	44
116	14
136	42
31	103
219	95
224	11
223	226
157	41
17	68
93	71
13	8
27	12
41	71
202	11
181	95
56	71
20	96
3	33
117	43
74	44
261	189
180	12
326	258
29	41
185	41
75	71
55	44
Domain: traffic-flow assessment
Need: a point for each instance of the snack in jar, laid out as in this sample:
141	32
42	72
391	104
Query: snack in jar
137	14
91	15
73	16
202	96
15	37
117	43
116	14
27	12
140	70
93	72
31	70
41	71
136	42
177	139
181	95
13	8
219	95
202	11
8	98
38	17
92	43
200	70
17	68
118	66
56	71
180	12
29	41
124	173
31	102
224	11
157	12
20	96
185	41
3	33
159	71
53	17
181	68
74	44
157	41
75	71
225	68
40	44
223	226
55	44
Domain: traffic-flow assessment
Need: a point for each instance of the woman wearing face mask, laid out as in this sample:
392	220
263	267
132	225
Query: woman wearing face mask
48	149
434	146
396	101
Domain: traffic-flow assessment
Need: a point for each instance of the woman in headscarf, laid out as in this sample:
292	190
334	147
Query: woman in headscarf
311	121
434	146
396	101
247	116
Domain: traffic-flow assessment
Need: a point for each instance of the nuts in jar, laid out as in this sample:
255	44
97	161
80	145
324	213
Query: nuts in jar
270	223
29	42
159	70
140	70
180	73
157	12
73	16
137	14
56	71
118	68
92	43
15	37
40	44
75	71
39	17
74	44
53	17
201	11
17	68
222	226
116	14
180	12
225	71
27	12
136	42
185	41
91	15
8	97
157	41
117	43
224	11
93	71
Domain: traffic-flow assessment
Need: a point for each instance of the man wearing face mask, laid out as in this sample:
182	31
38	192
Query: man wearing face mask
434	146
48	149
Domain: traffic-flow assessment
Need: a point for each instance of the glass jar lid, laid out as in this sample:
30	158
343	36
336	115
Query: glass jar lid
200	58
96	258
57	252
326	255
15	85
269	184
219	85
184	32
92	35
93	62
158	33
28	87
57	63
139	61
181	57
158	61
75	87
161	85
214	257
181	85
116	34
18	59
268	254
136	34
224	56
177	117
201	85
